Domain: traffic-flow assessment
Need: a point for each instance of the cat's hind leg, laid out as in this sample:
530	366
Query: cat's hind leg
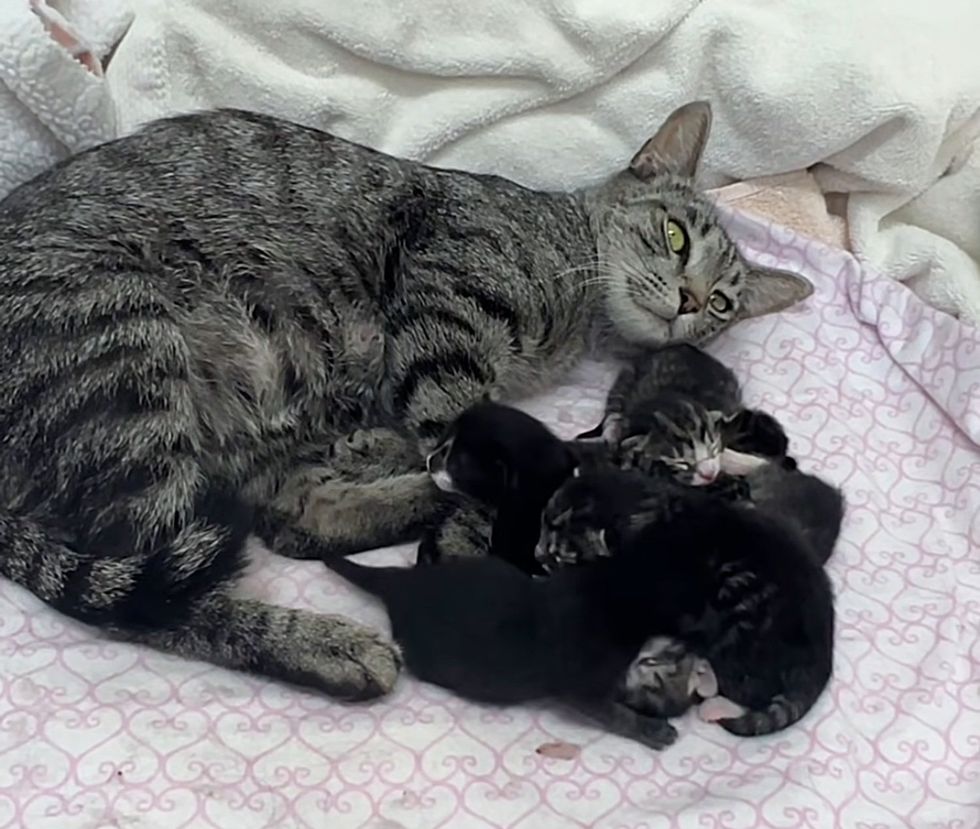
327	653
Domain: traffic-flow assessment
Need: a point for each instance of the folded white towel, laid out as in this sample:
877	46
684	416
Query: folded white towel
51	104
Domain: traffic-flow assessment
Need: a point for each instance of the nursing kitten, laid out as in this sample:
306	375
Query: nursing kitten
737	586
175	352
679	409
504	459
502	465
484	630
666	678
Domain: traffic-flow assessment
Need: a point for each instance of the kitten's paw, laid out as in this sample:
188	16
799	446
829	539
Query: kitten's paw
655	733
350	661
719	708
613	428
633	454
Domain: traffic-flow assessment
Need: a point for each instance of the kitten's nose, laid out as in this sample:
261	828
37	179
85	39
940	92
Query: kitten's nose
707	471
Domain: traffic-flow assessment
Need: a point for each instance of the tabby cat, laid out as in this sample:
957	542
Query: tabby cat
192	315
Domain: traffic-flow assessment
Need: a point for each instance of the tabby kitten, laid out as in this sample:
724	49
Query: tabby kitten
175	353
679	409
737	586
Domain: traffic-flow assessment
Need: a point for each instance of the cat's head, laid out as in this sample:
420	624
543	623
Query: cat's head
495	453
697	445
587	516
687	441
669	269
665	679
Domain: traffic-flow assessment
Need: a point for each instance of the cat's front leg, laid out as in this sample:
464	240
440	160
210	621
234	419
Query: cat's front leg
368	489
619	719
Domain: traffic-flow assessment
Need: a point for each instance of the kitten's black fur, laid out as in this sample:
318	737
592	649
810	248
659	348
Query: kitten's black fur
810	504
737	585
509	461
485	631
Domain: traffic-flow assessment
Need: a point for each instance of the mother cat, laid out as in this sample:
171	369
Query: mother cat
189	314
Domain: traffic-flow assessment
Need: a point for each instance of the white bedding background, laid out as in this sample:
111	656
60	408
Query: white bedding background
878	392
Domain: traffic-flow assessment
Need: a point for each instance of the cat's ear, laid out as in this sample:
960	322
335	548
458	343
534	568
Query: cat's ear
678	144
767	290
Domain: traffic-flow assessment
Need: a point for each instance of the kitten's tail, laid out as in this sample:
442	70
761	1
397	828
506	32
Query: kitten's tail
148	590
784	709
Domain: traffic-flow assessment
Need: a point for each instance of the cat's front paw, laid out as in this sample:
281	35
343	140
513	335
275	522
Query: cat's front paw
655	733
634	454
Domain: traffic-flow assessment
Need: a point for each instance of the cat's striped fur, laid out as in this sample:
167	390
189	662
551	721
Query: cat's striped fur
191	316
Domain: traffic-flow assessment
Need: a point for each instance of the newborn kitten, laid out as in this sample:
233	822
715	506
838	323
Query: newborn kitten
480	628
810	504
666	678
679	409
505	460
738	586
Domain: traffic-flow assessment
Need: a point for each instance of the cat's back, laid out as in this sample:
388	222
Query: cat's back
224	171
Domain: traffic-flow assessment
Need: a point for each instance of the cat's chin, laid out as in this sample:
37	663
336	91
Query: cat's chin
641	326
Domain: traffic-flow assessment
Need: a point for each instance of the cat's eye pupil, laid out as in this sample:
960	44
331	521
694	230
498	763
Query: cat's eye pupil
720	302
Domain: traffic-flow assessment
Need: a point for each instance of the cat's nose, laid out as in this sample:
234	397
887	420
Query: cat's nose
689	302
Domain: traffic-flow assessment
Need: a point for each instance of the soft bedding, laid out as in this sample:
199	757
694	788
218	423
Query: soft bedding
878	392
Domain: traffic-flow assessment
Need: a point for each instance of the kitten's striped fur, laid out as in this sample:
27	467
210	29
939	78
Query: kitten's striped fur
191	316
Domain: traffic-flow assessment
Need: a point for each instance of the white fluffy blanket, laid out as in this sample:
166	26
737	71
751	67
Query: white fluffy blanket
53	98
882	98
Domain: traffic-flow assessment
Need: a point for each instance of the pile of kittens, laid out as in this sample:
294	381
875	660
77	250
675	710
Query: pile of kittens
671	557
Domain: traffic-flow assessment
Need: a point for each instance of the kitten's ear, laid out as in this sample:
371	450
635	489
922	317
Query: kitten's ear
767	290
678	144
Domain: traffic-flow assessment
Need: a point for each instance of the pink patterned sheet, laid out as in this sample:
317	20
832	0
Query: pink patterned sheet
879	394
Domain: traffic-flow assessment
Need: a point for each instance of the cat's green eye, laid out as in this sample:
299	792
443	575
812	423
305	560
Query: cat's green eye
676	236
720	303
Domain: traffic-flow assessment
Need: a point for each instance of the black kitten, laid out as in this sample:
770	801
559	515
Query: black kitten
508	461
485	631
810	504
737	585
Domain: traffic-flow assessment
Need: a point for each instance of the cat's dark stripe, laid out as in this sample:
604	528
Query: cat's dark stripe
439	367
55	399
430	429
493	306
432	317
